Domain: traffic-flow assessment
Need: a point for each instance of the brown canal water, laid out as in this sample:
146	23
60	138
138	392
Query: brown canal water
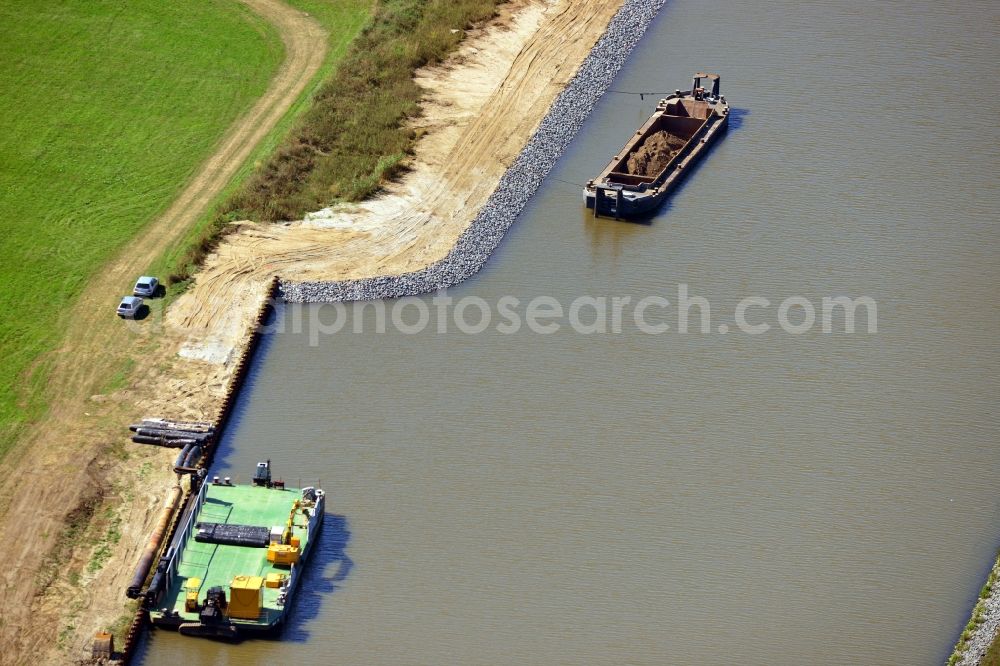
690	499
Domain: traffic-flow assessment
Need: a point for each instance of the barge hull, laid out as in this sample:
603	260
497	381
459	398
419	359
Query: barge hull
216	565
647	205
647	168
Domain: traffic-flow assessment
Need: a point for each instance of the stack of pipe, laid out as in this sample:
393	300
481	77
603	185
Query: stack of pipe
193	426
172	434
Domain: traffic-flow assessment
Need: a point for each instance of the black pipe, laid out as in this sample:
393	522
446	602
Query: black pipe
159	578
163	441
167	425
192	457
182	456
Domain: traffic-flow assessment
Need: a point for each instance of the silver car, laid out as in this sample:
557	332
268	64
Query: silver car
129	307
146	286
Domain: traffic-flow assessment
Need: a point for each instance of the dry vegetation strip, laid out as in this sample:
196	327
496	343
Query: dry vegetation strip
354	136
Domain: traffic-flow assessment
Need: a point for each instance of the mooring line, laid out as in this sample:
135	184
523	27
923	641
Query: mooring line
641	93
568	182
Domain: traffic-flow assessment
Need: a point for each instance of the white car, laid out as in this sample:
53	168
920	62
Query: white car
146	286
129	307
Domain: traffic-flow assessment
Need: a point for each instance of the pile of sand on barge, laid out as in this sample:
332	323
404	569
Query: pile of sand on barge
654	154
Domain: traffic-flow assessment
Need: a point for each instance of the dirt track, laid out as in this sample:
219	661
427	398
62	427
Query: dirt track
57	458
481	108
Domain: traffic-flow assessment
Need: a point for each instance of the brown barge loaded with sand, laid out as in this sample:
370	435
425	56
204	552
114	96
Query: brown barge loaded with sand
652	163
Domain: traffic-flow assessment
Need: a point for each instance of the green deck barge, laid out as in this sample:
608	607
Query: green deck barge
191	564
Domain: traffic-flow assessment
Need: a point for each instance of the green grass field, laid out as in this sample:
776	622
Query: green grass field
106	109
